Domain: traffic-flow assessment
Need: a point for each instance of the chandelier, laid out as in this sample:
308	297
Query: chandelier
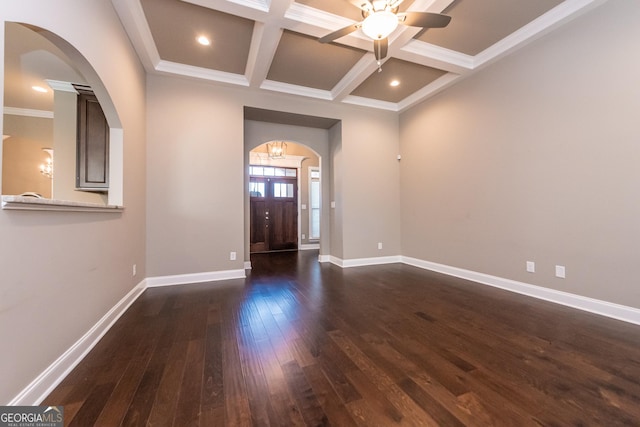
277	149
46	168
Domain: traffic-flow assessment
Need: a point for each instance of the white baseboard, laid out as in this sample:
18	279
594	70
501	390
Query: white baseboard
49	379
184	279
309	246
360	262
247	265
603	308
324	258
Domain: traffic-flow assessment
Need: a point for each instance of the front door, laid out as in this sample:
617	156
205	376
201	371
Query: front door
273	213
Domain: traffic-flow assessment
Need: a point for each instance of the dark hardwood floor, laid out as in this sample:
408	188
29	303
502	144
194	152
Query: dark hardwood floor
299	343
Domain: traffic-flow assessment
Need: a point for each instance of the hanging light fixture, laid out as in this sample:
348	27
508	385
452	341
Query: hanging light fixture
46	168
277	149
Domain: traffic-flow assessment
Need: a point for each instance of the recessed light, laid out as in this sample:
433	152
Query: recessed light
39	89
203	40
394	83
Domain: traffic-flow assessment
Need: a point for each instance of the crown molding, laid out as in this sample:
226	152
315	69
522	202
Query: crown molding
372	103
201	73
296	90
27	112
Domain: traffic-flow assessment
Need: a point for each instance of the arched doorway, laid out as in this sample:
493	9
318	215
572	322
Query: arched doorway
284	199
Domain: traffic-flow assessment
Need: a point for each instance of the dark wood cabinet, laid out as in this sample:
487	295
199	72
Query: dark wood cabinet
92	168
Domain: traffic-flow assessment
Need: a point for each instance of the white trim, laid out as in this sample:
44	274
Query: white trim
359	262
247	265
370	102
28	112
447	56
236	7
324	258
603	308
49	379
41	204
186	279
60	86
296	90
309	246
201	73
335	260
308	15
263	159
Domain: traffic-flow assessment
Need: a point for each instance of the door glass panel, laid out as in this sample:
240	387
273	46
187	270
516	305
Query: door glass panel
281	189
256	189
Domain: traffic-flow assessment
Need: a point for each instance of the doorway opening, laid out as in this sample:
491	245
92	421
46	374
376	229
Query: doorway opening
273	208
284	200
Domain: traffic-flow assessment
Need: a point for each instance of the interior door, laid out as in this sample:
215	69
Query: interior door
273	214
283	214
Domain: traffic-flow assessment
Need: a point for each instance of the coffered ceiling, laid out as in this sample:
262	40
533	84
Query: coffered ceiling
272	45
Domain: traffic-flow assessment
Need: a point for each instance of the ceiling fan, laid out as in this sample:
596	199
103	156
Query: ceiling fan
381	17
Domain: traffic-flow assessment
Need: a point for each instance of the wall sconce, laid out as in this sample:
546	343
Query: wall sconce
277	149
46	168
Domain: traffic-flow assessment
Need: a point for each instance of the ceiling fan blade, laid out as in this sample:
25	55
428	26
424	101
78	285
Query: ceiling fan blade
339	33
425	19
380	48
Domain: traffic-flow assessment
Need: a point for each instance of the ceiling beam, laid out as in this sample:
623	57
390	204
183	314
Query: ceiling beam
264	43
135	23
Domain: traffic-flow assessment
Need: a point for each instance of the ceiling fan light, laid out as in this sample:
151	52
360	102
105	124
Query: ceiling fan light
379	25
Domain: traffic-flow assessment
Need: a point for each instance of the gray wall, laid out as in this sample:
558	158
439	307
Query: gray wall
196	174
62	271
535	158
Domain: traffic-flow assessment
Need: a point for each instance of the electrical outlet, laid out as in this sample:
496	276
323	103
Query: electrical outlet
531	267
379	245
232	256
134	270
304	236
560	271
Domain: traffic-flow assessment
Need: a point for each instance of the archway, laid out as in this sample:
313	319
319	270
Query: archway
38	55
284	198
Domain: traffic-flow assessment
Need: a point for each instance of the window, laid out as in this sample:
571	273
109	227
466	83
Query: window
272	171
281	189
314	203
